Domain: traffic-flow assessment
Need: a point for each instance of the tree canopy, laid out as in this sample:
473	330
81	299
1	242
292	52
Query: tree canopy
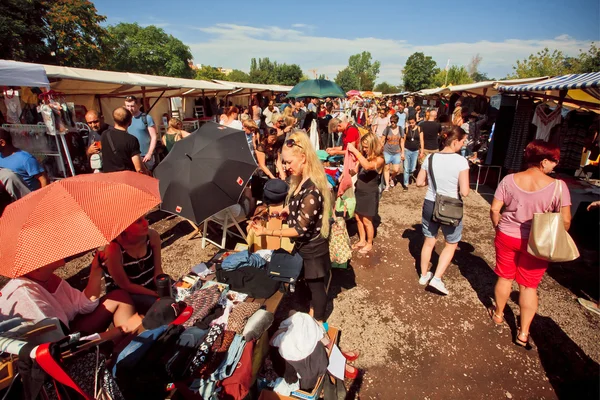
60	32
364	69
419	71
346	79
456	76
148	50
206	72
387	88
547	63
266	71
237	76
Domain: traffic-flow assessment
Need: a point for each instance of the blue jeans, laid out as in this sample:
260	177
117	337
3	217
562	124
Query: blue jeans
410	163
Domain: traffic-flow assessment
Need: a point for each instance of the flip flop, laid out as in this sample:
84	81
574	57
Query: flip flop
590	305
357	245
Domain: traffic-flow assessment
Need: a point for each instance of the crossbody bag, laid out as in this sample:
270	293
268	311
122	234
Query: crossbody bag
447	210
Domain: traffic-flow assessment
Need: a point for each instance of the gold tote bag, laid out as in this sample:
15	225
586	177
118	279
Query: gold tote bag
548	239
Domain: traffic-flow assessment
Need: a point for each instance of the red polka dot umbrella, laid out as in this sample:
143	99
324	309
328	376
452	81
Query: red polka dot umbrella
71	216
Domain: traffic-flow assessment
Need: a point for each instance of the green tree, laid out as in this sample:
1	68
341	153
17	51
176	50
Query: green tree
148	50
386	88
237	76
364	69
418	72
206	72
346	79
456	76
62	32
22	31
480	77
75	37
266	71
543	63
288	74
587	61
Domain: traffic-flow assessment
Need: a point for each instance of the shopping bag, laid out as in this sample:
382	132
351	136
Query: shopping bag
548	238
339	242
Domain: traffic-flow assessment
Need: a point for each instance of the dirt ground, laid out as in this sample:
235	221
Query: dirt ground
415	344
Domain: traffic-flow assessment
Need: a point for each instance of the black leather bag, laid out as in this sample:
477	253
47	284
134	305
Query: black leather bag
285	267
447	210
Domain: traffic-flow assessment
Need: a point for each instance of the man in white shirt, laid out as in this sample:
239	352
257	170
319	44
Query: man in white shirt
268	113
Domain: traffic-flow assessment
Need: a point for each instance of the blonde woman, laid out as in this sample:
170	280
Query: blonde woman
174	133
308	208
371	163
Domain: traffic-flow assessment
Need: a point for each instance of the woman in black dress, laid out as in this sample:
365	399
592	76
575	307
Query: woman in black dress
371	163
267	157
309	206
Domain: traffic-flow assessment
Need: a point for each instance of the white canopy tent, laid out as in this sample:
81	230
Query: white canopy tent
485	88
15	73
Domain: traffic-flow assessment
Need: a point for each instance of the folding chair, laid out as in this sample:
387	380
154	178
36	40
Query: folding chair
226	220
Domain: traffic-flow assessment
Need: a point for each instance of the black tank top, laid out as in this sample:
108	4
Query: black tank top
412	139
368	181
140	271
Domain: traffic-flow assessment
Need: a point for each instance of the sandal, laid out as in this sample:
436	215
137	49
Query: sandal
350	372
519	342
495	317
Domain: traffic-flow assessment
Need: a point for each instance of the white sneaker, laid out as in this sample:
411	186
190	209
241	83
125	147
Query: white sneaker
438	285
425	278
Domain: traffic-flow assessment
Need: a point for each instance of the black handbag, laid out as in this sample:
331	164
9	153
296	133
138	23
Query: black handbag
285	267
447	210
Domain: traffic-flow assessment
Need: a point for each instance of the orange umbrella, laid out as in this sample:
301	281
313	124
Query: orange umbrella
367	94
71	216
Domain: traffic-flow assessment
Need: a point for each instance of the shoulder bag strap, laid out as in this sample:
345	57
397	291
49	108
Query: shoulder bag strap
110	141
557	188
431	173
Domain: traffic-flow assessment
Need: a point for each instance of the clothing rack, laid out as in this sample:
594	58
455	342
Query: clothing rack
18	130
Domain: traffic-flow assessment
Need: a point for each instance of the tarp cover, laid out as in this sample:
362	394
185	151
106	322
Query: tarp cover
15	73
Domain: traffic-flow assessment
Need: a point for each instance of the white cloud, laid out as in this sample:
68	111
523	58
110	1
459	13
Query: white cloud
233	46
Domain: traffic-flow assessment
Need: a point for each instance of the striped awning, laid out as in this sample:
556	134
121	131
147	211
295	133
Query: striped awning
588	83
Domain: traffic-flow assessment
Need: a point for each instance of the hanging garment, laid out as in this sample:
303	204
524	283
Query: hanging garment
48	117
519	135
573	133
314	134
13	106
350	163
545	122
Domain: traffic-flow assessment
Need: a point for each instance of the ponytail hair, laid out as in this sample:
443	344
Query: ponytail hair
452	133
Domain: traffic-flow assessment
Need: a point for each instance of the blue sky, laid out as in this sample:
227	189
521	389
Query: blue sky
322	34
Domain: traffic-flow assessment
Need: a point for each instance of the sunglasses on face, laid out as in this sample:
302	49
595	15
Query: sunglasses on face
291	143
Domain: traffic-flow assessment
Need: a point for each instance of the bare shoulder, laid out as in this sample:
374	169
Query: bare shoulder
154	236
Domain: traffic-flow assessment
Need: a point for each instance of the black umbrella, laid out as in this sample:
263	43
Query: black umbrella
206	172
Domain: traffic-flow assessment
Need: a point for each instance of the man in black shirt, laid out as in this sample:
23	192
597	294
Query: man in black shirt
120	150
431	132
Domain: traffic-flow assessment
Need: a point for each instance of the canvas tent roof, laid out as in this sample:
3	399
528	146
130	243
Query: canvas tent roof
485	88
81	81
68	80
246	88
581	88
15	73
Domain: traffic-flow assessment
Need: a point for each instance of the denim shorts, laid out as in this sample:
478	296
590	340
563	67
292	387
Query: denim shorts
391	158
452	234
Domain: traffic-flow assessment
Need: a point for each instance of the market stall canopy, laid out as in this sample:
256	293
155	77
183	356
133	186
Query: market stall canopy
485	88
396	94
69	81
581	89
244	88
15	73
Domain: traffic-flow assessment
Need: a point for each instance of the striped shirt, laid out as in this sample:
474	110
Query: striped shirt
140	271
